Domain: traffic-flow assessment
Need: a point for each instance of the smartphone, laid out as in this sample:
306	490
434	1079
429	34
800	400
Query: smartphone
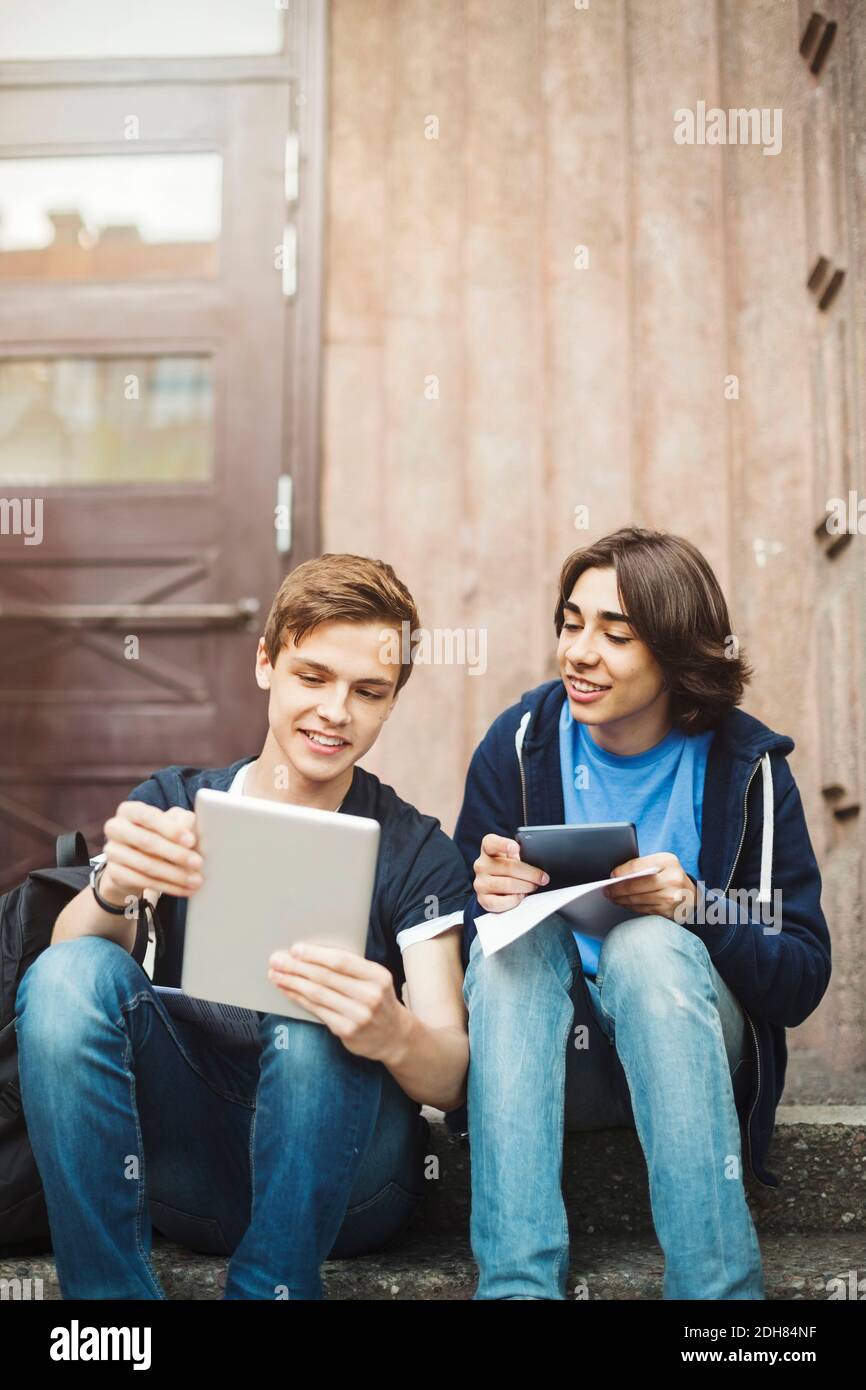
577	853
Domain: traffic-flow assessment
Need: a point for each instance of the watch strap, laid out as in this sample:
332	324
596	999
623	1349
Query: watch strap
95	876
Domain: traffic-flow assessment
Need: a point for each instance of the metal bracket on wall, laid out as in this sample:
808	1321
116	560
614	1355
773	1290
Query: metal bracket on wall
817	41
841	801
291	188
283	514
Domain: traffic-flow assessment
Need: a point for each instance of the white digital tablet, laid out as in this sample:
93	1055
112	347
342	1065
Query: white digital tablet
273	874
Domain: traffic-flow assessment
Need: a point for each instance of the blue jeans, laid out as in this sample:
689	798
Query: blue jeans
278	1155
660	1048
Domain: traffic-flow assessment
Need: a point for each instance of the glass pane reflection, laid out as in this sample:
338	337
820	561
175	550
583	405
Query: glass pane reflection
110	217
106	420
129	29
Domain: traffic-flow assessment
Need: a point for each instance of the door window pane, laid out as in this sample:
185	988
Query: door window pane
106	420
110	217
131	29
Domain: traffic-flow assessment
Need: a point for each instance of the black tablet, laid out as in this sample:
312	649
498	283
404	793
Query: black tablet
577	853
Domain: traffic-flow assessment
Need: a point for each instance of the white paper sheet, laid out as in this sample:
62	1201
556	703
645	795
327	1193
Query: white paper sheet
584	905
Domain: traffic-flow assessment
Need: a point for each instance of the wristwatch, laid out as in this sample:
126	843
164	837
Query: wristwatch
95	877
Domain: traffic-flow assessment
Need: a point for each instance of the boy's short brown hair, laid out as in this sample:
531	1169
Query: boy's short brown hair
340	589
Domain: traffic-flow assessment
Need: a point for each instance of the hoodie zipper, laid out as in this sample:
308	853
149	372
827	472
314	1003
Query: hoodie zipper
745	1011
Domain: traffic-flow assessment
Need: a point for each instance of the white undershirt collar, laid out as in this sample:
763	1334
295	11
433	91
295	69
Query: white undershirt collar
239	780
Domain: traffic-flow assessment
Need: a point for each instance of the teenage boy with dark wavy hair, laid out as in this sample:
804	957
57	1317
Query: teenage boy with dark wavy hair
685	1003
312	1142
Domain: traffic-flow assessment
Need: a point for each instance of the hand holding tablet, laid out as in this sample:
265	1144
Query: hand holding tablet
572	854
274	874
547	858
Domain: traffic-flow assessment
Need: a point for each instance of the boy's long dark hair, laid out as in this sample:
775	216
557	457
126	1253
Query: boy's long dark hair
675	605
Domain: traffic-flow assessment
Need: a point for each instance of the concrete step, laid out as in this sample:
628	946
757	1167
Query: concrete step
811	1229
423	1268
812	1079
818	1153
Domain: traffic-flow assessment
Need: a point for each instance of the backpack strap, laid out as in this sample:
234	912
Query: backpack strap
72	851
145	915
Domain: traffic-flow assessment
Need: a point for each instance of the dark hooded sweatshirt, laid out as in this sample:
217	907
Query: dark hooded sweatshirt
753	836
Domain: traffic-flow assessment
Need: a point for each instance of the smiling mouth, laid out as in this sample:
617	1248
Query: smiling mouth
585	686
324	740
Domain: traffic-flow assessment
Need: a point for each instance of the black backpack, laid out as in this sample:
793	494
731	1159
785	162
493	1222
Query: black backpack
27	916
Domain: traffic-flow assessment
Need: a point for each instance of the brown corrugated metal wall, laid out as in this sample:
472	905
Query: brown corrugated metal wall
485	376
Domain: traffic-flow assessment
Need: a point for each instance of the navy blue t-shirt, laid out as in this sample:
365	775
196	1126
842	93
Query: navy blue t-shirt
421	885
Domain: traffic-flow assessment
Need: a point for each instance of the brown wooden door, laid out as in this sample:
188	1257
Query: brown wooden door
145	382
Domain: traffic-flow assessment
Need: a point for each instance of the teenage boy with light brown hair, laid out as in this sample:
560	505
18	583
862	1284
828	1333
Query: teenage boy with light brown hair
284	1153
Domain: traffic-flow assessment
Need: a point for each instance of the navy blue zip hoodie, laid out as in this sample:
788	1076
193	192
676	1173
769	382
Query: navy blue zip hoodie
753	835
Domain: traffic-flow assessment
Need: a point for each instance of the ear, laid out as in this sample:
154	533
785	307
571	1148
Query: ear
263	668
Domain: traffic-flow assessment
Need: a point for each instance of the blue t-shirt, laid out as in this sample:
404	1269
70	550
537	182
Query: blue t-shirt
661	790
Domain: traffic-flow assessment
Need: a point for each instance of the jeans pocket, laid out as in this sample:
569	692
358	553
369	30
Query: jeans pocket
375	1222
200	1233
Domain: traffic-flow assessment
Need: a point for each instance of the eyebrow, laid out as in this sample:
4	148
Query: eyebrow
604	613
326	670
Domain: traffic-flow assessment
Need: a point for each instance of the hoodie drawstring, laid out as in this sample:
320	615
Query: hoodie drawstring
767	831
